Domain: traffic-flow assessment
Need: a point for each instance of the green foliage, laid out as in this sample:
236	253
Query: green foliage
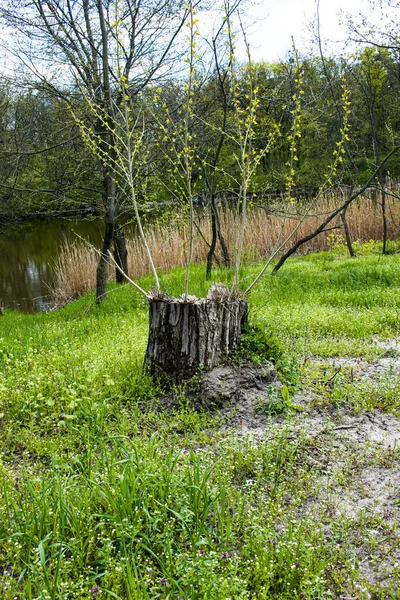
304	123
257	346
276	402
107	492
61	178
338	246
260	345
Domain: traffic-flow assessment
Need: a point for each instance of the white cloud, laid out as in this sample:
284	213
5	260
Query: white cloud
276	21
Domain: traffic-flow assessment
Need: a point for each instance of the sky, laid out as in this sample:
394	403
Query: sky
275	21
270	25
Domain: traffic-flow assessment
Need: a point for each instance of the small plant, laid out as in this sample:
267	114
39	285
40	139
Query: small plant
260	346
336	242
277	402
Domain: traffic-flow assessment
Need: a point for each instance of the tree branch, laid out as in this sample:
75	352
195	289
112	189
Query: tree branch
323	225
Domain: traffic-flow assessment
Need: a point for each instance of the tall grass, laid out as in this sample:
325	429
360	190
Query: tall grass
76	264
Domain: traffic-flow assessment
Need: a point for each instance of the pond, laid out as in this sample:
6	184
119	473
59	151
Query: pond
27	258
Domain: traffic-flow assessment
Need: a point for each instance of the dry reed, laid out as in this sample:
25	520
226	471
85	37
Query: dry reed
75	269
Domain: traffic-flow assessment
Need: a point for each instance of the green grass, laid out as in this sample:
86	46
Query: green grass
105	493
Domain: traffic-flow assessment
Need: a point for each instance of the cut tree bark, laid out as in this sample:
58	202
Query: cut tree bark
192	334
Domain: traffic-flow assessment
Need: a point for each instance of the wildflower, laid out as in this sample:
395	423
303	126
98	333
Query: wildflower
163	582
202	552
225	555
95	590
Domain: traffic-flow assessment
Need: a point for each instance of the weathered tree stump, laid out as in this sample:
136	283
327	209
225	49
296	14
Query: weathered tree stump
190	334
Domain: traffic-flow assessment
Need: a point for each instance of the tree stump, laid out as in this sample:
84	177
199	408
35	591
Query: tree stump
192	334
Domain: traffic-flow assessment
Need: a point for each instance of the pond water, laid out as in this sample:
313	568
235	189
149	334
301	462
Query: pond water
27	258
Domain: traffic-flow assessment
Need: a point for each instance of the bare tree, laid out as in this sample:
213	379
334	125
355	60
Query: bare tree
69	48
222	74
383	37
44	166
323	227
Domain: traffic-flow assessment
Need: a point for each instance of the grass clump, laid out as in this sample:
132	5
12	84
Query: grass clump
130	516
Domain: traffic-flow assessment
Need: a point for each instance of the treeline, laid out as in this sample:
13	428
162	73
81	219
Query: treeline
45	167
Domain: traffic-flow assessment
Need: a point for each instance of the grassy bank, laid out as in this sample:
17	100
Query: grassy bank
106	493
265	232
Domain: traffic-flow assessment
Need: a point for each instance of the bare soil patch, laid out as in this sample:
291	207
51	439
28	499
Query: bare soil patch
356	457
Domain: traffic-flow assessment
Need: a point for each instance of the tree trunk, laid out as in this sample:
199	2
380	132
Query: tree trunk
185	337
120	254
216	233
224	248
347	232
110	221
102	265
384	222
334	213
213	244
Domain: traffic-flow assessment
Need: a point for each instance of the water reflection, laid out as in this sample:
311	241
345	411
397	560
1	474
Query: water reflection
27	255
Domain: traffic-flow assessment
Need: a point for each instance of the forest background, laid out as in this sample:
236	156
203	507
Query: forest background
46	167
